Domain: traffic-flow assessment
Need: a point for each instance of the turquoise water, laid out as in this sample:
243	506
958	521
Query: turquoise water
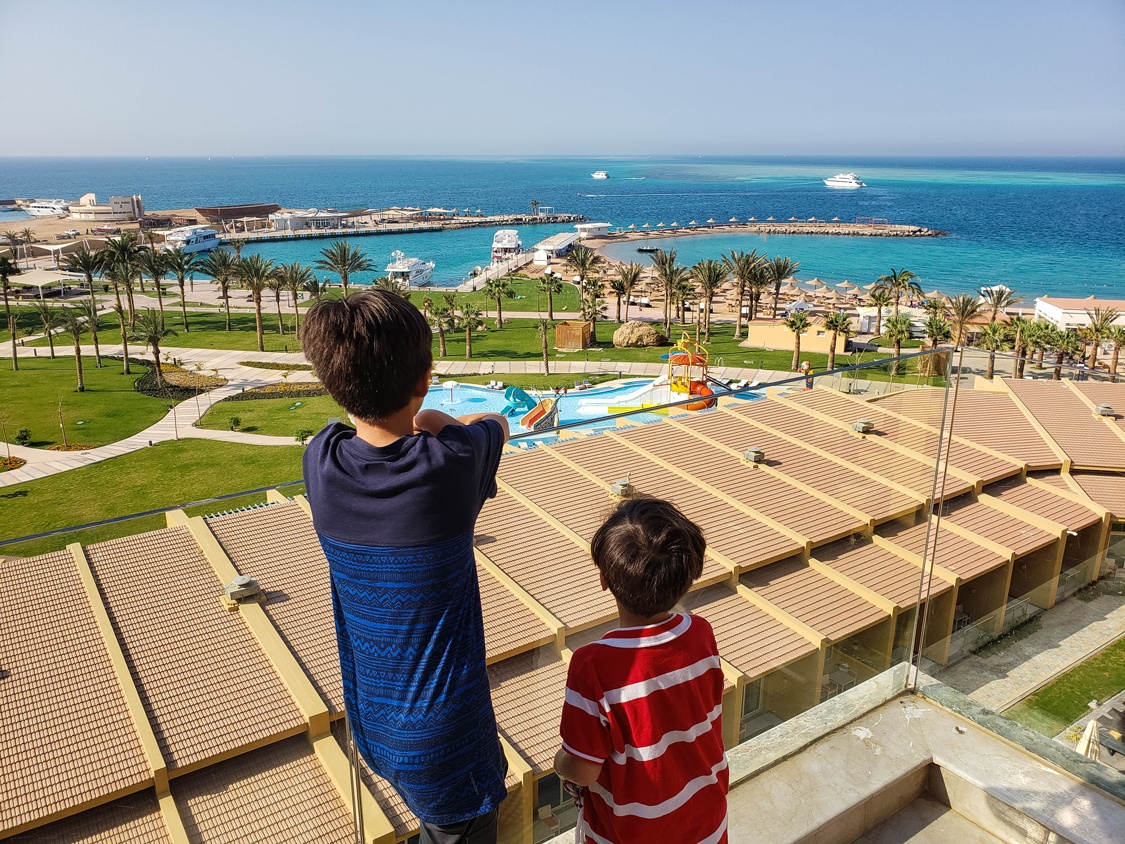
1039	225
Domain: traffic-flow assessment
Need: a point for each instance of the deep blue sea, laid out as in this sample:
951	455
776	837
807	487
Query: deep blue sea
1038	225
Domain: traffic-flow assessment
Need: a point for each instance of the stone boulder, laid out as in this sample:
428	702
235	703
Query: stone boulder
638	334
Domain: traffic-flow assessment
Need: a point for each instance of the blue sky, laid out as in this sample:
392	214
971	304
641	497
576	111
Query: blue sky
440	77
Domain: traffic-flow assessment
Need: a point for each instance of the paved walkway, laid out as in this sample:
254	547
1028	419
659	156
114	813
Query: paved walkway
1071	632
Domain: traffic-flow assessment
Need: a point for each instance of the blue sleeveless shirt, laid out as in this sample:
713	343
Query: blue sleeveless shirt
396	524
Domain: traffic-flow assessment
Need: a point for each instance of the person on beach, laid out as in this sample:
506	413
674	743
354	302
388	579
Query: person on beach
807	371
394	503
642	744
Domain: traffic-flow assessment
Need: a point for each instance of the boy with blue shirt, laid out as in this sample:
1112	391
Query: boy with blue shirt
394	503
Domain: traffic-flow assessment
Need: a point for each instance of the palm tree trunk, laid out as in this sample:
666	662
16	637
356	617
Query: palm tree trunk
11	330
796	350
159	297
1058	368
441	339
94	323
898	351
183	306
1094	356
550	306
627	297
344	281
468	344
124	344
1113	363
258	322
226	300
50	340
707	324
896	302
499	313
296	315
832	351
546	355
776	294
879	321
738	318
132	309
157	371
991	366
280	324
618	317
78	363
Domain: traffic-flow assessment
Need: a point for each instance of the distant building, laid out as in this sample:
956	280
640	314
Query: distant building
772	334
312	218
555	246
586	230
121	209
1064	313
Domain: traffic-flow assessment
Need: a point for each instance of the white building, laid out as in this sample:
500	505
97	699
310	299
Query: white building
586	230
1064	313
554	246
312	218
120	209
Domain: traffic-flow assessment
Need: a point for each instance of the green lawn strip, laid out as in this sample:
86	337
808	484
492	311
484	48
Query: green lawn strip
280	417
906	344
110	409
165	475
1064	700
527	298
207	331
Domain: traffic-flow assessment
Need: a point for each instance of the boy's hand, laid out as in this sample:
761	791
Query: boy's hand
479	417
432	422
580	772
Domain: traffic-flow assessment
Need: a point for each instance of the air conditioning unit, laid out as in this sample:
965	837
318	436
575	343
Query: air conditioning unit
863	426
754	455
242	588
622	490
1104	410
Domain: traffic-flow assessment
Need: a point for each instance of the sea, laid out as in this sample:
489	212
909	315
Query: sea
1038	225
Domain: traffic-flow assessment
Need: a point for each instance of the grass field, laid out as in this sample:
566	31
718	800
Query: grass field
1063	701
109	410
281	417
167	474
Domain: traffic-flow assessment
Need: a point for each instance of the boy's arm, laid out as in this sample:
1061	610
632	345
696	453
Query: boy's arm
502	421
434	421
578	771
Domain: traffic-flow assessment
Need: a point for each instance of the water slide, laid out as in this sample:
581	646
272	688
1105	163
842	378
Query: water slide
653	393
518	401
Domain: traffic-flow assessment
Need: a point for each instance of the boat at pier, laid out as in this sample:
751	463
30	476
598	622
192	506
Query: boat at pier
409	272
847	181
506	244
47	208
648	249
191	239
599	174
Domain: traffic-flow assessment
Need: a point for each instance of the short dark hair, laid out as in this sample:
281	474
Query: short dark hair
369	349
650	553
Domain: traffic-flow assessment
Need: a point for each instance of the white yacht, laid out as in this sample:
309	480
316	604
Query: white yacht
409	272
47	208
599	174
192	239
506	244
847	181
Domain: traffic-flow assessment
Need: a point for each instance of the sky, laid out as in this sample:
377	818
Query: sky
449	77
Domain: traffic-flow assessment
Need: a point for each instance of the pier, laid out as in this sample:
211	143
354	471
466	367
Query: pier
862	227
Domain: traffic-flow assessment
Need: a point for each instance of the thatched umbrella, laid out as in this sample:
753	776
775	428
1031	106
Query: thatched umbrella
693	223
812	220
711	221
673	223
846	285
790	289
792	219
733	220
934	294
752	220
769	219
816	282
632	225
835	219
647	226
871	286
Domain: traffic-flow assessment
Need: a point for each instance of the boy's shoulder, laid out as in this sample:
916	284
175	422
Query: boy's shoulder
683	631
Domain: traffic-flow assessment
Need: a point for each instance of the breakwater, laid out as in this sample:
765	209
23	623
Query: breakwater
797	227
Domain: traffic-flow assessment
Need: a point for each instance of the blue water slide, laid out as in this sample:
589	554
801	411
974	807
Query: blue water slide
518	401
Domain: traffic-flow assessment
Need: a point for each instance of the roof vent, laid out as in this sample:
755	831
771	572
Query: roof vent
622	490
242	588
1104	410
863	426
754	455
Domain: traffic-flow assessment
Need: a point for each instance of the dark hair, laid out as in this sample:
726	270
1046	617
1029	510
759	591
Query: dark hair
650	553
369	349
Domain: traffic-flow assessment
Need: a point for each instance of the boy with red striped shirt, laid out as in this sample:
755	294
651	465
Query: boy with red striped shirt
642	721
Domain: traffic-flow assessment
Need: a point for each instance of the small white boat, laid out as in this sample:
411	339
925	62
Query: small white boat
409	272
599	174
847	181
506	244
48	208
192	239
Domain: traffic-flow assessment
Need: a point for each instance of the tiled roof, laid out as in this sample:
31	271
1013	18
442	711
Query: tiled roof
1071	423
134	819
204	681
952	551
997	526
65	733
823	604
1106	489
1046	504
990	419
527	694
277	546
1105	392
277	793
509	624
883	572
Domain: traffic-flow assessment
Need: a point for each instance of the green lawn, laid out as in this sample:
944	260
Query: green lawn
281	417
162	476
109	333
1063	701
528	298
109	410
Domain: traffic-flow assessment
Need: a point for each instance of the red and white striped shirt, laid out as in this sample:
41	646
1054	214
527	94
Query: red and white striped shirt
647	704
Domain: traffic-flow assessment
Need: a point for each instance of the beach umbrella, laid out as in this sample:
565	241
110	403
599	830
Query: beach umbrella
789	288
632	225
846	285
934	294
835	219
692	223
711	220
753	220
871	286
479	211
674	223
769	219
816	282
646	226
792	219
660	225
812	219
1090	745
733	220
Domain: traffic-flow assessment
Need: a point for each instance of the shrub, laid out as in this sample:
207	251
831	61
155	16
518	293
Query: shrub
304	434
234	422
23	436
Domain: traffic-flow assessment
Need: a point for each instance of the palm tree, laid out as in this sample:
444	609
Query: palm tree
669	274
151	330
1101	321
937	330
997	299
1019	326
121	254
550	285
798	323
1065	344
593	306
119	309
879	299
836	323
468	319
1036	339
585	261
444	318
544	329
276	286
899	283
13	239
963	310
27	236
993	337
90	314
776	272
73	322
313	287
182	264
155	263
343	259
628	277
254	274
296	278
709	276
746	270
89	264
682	291
49	320
499	289
535	208
8	269
221	265
898	331
935	307
236	243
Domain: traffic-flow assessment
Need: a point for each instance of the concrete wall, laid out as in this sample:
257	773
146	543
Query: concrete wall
774	335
